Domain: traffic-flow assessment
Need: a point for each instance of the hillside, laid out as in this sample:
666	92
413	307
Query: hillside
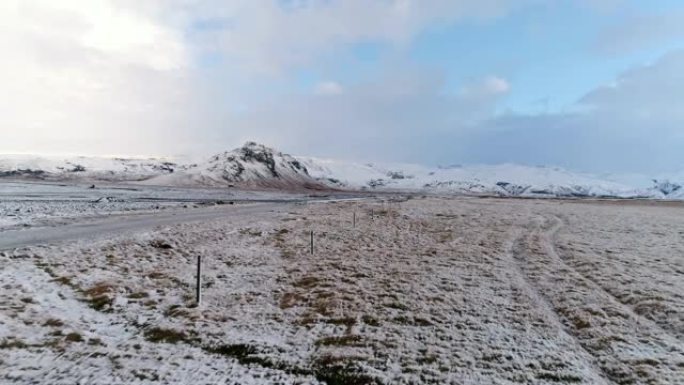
252	165
500	180
257	166
85	168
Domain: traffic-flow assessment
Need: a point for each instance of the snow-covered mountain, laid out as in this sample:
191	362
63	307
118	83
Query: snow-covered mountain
255	165
500	180
85	168
252	165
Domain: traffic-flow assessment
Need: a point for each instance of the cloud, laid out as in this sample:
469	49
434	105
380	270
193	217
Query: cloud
634	124
111	76
486	88
88	76
652	92
387	118
328	88
269	36
641	31
92	30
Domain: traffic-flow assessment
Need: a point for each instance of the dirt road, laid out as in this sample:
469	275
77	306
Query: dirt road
92	229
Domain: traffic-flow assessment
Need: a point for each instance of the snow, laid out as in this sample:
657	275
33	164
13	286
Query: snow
421	291
29	204
257	166
86	168
445	285
252	165
505	179
48	334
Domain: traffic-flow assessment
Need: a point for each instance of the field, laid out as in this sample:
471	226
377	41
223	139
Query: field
28	204
428	290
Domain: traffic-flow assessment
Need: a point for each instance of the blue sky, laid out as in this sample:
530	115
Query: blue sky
593	85
547	53
551	51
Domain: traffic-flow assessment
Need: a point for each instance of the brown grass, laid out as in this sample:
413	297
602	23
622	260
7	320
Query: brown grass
99	296
289	300
73	337
171	336
348	340
53	322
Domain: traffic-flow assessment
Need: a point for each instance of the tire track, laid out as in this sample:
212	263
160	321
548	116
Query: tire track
517	252
627	348
552	239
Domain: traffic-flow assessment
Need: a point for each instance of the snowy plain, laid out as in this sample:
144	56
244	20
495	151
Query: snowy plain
25	204
429	290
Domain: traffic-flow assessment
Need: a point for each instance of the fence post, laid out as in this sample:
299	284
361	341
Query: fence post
199	280
312	243
354	220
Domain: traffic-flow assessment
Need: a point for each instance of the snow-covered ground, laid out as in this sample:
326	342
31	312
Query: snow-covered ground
27	204
424	291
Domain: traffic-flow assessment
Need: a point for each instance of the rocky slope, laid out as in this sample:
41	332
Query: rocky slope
252	165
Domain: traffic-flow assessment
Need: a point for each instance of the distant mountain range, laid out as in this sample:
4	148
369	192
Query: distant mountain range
256	166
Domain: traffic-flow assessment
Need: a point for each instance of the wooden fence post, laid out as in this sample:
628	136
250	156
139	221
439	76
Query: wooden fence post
312	243
199	280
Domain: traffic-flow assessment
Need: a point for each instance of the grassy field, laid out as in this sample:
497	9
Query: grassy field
422	291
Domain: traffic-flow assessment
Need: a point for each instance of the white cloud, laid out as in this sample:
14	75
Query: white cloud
639	31
634	124
654	90
123	75
388	118
86	76
267	36
484	88
91	28
328	88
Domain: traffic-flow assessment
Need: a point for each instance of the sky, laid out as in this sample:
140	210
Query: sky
590	85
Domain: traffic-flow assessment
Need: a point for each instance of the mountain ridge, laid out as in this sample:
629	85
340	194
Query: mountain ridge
254	165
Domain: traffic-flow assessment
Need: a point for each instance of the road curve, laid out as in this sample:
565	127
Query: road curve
117	224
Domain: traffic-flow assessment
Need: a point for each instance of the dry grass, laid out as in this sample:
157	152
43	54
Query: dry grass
430	291
171	336
100	296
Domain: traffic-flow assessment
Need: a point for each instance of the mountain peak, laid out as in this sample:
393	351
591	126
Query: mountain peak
254	145
255	164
